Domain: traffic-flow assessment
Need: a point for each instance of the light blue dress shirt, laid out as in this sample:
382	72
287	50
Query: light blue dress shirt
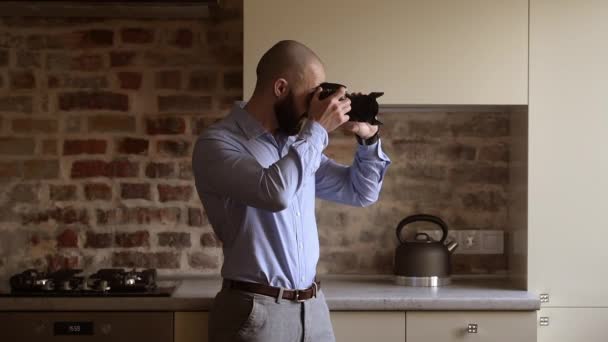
259	194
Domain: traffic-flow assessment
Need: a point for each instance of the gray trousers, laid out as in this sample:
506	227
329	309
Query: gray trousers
243	316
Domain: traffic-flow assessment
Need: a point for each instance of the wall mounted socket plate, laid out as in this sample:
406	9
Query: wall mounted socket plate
473	241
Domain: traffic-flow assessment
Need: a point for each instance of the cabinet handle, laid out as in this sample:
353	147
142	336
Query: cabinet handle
472	328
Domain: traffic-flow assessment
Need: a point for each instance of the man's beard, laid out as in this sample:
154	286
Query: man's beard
287	115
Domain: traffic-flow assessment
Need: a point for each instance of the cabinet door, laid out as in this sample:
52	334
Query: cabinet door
191	326
573	324
417	52
368	326
568	152
454	326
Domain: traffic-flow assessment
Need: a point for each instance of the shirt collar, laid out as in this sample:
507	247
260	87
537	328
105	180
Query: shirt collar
250	126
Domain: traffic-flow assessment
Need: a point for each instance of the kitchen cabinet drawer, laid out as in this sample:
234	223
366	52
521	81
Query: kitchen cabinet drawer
573	324
417	52
191	326
365	326
454	326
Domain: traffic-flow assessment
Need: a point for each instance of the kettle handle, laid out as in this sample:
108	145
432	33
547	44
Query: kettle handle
423	217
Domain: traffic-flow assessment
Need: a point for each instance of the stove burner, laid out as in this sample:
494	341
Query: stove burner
108	281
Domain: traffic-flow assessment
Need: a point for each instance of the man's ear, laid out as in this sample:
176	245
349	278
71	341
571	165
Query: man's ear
281	87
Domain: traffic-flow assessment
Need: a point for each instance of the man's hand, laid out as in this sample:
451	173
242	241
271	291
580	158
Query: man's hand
362	129
329	112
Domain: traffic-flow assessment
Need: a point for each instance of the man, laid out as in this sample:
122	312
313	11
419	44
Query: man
257	173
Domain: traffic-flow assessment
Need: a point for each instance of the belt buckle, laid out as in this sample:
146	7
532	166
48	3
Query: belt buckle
298	297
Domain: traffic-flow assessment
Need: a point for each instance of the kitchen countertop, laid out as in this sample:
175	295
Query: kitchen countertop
343	293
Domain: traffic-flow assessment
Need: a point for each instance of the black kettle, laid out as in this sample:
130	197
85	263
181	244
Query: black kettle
423	261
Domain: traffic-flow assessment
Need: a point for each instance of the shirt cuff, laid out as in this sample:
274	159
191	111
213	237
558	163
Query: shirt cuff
373	151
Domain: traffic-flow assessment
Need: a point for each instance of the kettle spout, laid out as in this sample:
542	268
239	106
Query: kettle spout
451	246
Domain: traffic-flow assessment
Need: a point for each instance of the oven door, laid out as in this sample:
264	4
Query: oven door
86	326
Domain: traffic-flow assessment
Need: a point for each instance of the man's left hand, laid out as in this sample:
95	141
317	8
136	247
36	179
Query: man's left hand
362	129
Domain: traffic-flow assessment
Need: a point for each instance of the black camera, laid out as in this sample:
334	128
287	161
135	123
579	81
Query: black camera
364	108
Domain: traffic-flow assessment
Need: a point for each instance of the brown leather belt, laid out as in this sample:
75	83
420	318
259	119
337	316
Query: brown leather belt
271	291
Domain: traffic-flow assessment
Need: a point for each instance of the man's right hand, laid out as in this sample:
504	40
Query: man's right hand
331	111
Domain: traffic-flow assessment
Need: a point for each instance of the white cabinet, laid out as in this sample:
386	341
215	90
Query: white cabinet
365	326
424	326
191	326
573	324
416	51
568	152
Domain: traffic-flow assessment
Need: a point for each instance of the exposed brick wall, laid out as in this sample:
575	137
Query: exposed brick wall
97	124
451	164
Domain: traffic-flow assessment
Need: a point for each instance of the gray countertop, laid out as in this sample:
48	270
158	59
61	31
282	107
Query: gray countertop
343	293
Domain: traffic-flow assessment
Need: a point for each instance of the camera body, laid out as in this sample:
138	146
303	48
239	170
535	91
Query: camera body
364	108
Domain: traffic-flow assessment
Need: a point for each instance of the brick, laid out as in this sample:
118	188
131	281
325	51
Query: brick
66	62
478	264
168	193
17	146
165	125
481	174
139	238
226	102
17	104
484	201
96	38
137	36
483	125
233	80
182	38
73	124
57	262
68	238
98	168
173	148
34	126
62	192
160	170
49	146
122	58
199	124
205	80
98	240
210	240
23	193
135	191
204	261
4	58
89	146
65	215
457	152
132	146
22	80
139	215
68	81
164	58
495	153
41	169
340	260
93	100
168	79
160	260
185	170
424	171
10	170
97	191
174	239
111	123
29	59
197	217
426	129
183	103
130	80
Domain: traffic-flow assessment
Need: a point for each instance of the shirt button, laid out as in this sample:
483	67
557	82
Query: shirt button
302	279
301	246
297	213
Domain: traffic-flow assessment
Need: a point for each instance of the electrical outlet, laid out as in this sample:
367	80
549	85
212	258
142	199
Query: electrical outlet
469	242
472	241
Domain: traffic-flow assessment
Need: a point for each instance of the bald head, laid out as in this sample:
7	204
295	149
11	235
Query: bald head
287	59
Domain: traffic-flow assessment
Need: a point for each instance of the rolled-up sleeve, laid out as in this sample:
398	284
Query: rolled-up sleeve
358	184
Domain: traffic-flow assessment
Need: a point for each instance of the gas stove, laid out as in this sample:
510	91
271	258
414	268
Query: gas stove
70	283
